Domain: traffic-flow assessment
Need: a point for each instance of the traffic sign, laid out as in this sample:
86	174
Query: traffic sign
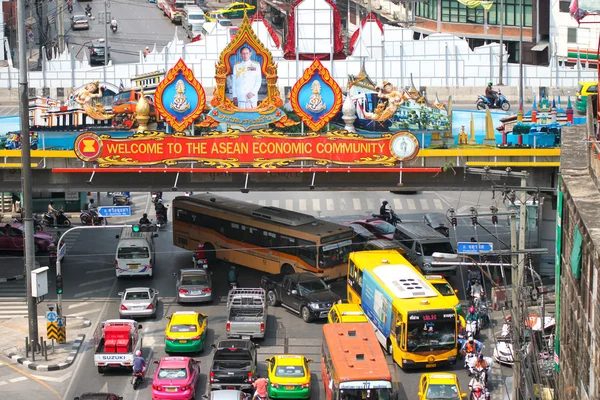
474	247
115	211
61	322
51	316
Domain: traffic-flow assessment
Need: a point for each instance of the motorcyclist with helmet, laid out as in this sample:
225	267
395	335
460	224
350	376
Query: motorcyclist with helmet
482	366
491	95
161	209
139	363
232	276
144	220
472	346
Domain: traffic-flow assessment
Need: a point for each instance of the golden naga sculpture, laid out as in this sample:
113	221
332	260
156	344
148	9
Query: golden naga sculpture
85	96
383	111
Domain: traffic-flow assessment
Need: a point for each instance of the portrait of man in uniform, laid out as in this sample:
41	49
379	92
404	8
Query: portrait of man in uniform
246	80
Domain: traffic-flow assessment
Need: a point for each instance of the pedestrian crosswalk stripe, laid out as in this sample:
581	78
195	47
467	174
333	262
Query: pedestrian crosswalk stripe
302	204
329	204
316	204
397	204
424	204
262	202
356	204
275	203
438	204
289	204
411	204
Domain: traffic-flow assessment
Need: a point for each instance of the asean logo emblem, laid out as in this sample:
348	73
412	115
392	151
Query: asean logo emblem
88	146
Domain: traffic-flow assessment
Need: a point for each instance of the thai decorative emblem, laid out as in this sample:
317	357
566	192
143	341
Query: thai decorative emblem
85	95
316	98
389	101
180	103
179	97
260	148
246	94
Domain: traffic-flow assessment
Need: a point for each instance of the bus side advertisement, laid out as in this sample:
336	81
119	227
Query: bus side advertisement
377	304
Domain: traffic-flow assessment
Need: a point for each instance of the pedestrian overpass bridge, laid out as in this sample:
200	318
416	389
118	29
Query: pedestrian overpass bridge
433	169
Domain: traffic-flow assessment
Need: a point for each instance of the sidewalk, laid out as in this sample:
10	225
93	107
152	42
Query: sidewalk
12	343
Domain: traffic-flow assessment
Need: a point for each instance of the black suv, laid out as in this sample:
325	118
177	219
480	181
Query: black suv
97	53
234	365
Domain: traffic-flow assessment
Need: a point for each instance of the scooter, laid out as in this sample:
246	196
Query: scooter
502	103
61	219
201	263
36	222
113	28
393	219
472	329
470	360
480	394
138	378
70	7
161	221
89	218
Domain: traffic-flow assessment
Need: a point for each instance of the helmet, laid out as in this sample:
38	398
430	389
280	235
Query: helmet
472	310
138	353
481	357
51	203
91	201
477	389
471	340
147	48
145	215
160	201
490	83
384	202
200	245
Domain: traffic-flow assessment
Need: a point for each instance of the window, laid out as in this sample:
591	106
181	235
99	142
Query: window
576	253
307	252
453	11
563	6
427	9
512	13
404	239
571	35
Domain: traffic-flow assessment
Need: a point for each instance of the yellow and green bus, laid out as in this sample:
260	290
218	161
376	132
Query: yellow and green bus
412	320
264	238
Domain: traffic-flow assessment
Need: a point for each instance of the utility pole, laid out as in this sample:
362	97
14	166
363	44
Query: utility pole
26	172
521	93
106	22
61	25
516	311
500	83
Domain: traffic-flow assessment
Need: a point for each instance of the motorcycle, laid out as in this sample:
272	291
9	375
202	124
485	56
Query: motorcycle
37	225
470	360
472	329
113	28
138	378
482	394
61	219
501	103
88	11
199	262
52	255
484	316
473	275
70	7
161	221
121	199
393	219
91	218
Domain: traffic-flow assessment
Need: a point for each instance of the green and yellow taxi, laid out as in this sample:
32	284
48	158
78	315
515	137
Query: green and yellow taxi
341	313
443	287
185	332
289	377
236	10
583	91
439	386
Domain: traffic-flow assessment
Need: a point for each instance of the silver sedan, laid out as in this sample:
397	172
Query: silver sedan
138	302
193	286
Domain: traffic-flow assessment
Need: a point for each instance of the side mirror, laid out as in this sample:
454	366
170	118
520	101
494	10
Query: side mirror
294	292
156	362
168	317
257	346
329	286
139	326
463	395
309	360
270	359
456	291
156	292
214	346
420	394
155	235
116	236
120	293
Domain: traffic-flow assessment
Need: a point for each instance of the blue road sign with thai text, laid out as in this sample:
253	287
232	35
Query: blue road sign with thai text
115	211
474	248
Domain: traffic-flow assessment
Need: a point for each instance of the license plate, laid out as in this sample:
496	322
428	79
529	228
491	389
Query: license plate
246	337
194	292
430	365
185	341
323	314
133	266
290	387
171	389
230	388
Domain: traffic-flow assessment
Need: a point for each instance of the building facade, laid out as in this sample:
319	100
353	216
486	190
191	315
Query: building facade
569	38
578	260
480	27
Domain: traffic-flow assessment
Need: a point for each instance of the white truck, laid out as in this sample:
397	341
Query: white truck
115	342
246	313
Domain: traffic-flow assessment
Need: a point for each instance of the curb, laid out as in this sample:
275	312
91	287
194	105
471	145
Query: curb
12	278
51	367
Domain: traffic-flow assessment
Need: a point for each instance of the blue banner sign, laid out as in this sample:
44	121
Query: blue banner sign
115	211
474	247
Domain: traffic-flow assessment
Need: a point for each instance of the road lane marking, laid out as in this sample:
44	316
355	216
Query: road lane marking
262	203
411	204
58	396
3	383
97	271
397	204
316	204
275	203
83	294
19	379
302	204
59	379
438	204
80	313
90	283
424	204
356	204
289	204
329	203
85	303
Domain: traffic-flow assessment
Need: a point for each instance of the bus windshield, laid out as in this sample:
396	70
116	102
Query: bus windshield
430	333
335	254
365	394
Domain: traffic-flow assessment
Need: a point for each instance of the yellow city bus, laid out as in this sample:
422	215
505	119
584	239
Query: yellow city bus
268	239
412	320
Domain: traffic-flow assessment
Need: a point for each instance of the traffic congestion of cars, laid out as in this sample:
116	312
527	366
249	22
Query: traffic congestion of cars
434	316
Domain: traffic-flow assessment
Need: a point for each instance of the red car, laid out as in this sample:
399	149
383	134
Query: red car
11	238
381	229
175	378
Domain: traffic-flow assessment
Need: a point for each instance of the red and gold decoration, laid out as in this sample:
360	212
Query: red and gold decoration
261	148
316	98
179	97
246	112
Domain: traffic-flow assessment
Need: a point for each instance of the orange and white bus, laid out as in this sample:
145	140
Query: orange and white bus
353	365
268	239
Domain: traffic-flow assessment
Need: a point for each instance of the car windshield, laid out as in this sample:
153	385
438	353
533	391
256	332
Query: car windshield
442	392
172	373
332	255
194	280
179	5
137	296
290	371
431	335
196	17
579	88
129	253
366	394
444	289
184	328
79	18
98	50
441	247
384	227
225	22
307	287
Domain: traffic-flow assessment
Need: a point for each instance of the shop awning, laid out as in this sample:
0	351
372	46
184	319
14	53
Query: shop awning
540	46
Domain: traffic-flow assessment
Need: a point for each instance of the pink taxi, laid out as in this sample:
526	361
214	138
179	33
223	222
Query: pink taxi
175	378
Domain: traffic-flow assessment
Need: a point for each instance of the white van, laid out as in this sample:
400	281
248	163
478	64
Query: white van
135	253
193	15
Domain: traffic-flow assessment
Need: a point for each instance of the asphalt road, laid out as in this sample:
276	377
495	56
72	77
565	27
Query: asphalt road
140	24
91	291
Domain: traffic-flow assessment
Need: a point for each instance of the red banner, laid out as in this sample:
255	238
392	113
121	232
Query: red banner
260	148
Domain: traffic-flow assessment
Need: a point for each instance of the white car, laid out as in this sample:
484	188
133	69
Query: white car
138	302
79	22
